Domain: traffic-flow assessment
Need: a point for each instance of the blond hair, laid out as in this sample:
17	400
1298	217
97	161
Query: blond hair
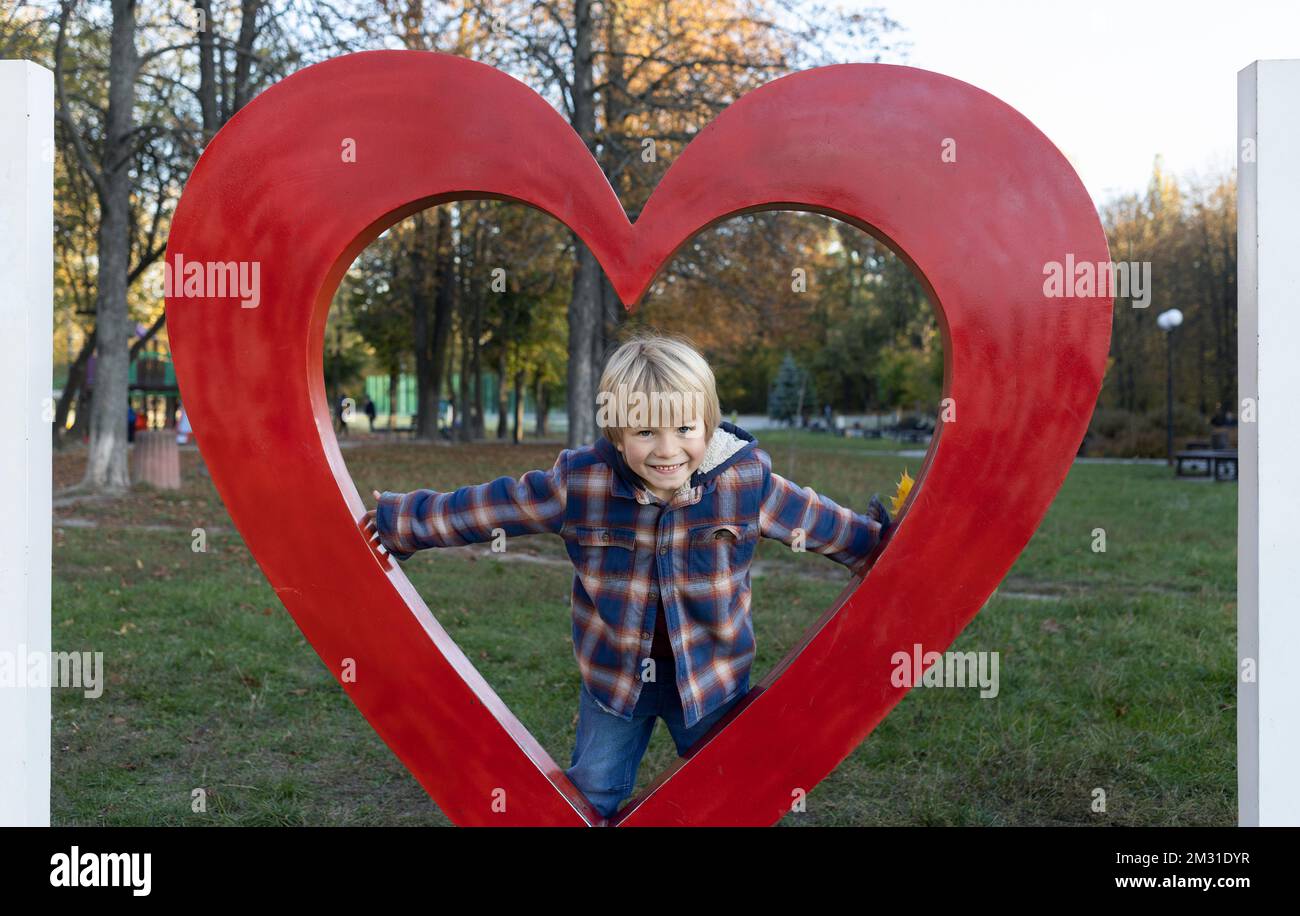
661	366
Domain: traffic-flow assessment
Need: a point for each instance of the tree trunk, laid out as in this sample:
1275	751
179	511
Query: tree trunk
476	368
615	152
444	303
75	387
106	467
541	407
613	315
463	388
584	319
585	311
503	395
450	386
207	72
248	10
519	406
392	399
426	414
81	423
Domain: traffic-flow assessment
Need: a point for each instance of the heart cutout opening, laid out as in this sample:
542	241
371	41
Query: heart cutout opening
375	281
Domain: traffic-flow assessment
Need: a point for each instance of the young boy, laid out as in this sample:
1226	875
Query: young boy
660	517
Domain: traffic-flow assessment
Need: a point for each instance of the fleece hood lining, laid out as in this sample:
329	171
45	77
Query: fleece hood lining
721	447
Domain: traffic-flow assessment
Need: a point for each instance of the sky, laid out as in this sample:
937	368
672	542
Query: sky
1111	83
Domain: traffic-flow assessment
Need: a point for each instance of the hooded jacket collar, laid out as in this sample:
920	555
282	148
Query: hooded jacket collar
729	444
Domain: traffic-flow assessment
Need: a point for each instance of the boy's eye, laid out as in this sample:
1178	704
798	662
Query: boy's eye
680	429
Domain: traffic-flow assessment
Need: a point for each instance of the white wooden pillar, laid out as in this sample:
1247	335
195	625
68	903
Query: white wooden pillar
26	374
1268	538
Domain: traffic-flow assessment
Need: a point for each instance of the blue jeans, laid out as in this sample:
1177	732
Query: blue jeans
608	750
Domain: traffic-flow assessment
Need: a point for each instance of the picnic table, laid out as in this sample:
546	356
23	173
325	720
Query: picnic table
908	433
1219	464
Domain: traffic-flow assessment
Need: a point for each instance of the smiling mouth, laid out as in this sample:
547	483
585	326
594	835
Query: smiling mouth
668	468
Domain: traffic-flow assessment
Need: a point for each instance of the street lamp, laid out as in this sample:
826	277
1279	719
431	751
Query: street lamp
1167	321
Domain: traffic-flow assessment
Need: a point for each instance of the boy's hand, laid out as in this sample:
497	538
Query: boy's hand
368	525
876	510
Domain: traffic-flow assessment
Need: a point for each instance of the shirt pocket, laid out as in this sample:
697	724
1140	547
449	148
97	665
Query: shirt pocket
606	553
720	549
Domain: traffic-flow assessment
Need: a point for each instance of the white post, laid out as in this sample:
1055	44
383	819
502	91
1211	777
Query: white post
26	373
1268	541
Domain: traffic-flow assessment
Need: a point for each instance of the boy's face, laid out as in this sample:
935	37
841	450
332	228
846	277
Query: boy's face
664	457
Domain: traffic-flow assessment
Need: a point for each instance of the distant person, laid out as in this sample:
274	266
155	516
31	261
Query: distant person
370	412
130	422
339	415
183	428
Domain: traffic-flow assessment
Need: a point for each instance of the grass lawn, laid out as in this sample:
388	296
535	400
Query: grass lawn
1117	668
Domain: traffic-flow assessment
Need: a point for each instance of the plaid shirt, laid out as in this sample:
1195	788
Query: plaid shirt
626	544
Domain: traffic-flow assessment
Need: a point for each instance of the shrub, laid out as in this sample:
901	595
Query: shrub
1118	433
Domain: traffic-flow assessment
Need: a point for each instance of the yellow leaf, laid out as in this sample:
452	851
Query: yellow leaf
900	496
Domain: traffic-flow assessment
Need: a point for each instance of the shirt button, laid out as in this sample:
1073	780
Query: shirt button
663	550
645	635
604	535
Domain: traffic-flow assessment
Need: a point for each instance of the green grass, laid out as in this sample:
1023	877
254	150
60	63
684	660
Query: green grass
779	439
1118	674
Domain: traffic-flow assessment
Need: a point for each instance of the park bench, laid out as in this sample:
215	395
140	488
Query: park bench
908	433
1220	464
410	430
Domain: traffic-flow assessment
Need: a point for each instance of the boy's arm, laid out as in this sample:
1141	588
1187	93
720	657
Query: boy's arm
532	504
830	529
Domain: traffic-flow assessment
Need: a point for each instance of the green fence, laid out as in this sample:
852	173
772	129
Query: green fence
408	397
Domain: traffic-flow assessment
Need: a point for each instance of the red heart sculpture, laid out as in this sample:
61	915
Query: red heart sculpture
864	143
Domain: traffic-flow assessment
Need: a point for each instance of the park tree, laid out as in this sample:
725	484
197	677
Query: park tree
106	150
523	255
792	392
140	88
427	275
1186	232
381	312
